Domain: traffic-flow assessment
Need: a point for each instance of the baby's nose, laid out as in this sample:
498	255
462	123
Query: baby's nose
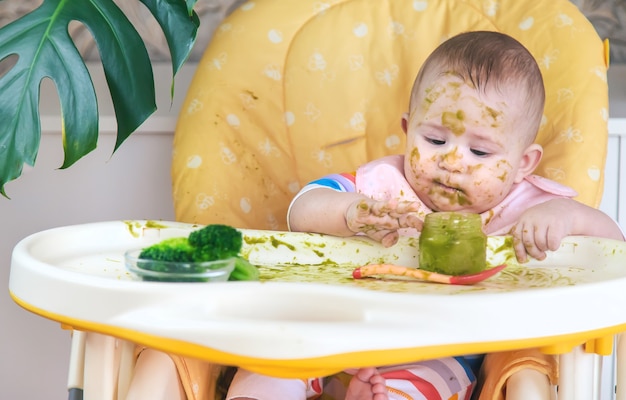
452	161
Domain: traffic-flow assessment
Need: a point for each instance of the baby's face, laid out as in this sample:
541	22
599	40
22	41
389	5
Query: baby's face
463	146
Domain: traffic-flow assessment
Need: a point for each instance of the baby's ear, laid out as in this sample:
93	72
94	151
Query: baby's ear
530	160
405	122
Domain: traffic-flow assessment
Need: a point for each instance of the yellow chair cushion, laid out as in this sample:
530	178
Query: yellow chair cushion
289	91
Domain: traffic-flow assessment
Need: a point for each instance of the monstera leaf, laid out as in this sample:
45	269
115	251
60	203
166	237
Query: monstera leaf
43	47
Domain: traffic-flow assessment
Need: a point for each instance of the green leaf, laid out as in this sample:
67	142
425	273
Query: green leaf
190	6
44	48
179	24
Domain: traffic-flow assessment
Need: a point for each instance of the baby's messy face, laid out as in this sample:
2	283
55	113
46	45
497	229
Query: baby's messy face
463	150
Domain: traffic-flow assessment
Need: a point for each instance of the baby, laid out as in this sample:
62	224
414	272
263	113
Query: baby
475	109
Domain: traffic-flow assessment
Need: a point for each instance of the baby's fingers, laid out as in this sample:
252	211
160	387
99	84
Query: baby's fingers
413	221
404	207
554	236
527	241
520	250
545	237
390	239
405	213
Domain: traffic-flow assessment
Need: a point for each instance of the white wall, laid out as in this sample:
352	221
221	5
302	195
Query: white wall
132	184
615	185
615	172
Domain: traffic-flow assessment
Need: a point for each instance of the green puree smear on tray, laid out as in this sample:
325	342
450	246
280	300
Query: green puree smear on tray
499	251
512	278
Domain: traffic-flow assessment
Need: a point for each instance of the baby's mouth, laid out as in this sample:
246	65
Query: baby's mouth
447	188
455	197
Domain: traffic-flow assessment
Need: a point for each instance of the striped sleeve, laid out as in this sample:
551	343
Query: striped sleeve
340	182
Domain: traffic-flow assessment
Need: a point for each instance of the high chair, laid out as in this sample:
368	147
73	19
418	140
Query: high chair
289	91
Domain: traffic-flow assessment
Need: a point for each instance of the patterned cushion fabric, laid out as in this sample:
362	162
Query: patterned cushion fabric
288	91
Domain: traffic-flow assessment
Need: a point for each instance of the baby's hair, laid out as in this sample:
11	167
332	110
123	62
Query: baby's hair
492	60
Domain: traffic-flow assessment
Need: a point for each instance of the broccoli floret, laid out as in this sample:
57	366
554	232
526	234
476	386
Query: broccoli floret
244	271
215	242
168	250
175	249
211	243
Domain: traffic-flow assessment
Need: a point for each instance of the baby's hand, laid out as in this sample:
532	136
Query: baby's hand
541	228
381	220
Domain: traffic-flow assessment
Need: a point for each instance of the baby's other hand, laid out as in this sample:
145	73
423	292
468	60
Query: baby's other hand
380	220
541	228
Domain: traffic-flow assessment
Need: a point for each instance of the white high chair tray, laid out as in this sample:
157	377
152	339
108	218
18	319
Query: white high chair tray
307	311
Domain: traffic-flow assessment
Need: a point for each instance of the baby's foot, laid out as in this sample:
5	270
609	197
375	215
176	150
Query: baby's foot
367	384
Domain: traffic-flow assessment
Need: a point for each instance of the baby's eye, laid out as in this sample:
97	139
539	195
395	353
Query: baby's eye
436	142
479	153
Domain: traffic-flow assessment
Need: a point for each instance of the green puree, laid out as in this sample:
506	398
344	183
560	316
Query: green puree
453	244
451	256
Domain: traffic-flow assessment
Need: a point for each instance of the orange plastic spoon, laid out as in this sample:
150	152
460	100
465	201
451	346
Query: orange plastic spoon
422	275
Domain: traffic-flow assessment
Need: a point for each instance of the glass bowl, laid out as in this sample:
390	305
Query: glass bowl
167	271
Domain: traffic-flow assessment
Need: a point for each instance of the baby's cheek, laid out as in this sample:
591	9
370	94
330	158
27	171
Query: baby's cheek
416	177
414	158
496	183
502	170
413	168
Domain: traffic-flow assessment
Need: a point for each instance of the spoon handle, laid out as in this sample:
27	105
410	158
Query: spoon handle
422	275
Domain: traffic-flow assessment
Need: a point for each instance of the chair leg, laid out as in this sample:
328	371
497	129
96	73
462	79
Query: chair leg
101	367
126	368
76	375
620	378
579	375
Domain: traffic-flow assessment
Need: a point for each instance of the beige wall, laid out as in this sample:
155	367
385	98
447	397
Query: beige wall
210	12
